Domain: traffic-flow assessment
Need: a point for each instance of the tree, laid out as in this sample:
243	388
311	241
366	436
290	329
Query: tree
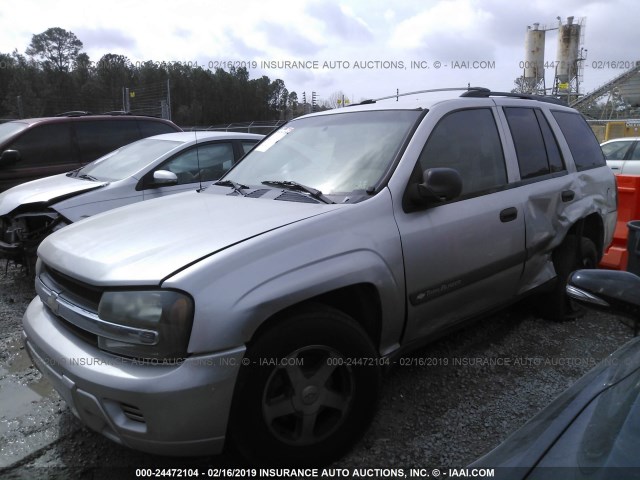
336	100
114	72
293	104
56	47
55	76
521	85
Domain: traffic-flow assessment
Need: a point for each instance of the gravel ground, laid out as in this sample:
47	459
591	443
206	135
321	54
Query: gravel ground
441	407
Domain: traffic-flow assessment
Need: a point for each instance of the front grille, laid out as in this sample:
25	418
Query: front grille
75	304
82	294
90	338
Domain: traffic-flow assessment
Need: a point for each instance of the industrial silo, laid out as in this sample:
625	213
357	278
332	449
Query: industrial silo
568	51
534	54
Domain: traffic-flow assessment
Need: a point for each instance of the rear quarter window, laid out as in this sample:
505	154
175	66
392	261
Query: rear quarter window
149	128
583	145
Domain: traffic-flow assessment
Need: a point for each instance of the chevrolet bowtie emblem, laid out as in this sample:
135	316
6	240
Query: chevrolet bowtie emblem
52	302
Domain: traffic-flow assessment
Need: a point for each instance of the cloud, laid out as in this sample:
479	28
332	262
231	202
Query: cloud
288	39
240	47
340	21
389	15
445	32
182	32
104	38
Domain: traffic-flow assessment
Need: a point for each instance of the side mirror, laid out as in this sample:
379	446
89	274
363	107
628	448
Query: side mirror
438	185
164	178
9	156
610	290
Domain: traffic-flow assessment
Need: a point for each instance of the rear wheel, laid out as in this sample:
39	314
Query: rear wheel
574	253
302	399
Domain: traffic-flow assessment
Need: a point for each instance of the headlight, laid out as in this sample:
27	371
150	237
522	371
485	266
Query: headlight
157	323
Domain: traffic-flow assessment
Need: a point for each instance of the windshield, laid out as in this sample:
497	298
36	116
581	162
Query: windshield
127	160
336	154
616	150
9	128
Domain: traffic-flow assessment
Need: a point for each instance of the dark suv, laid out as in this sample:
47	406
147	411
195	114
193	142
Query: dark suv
38	147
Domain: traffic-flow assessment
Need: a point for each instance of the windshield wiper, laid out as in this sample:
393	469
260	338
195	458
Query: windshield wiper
298	187
84	176
237	187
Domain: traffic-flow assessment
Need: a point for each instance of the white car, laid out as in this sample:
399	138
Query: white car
623	155
149	168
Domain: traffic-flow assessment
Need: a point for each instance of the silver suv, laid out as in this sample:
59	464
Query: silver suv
259	311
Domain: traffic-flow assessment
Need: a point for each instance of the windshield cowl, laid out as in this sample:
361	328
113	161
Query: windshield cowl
298	187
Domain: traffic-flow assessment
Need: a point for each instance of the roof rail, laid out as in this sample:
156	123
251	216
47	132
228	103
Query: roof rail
473	92
74	113
433	90
485	93
116	112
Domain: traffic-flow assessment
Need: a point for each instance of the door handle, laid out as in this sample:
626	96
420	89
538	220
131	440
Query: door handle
568	195
508	214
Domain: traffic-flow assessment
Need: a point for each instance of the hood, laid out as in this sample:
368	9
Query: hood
142	244
45	191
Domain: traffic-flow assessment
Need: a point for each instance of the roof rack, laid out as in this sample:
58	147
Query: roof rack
451	89
485	93
472	92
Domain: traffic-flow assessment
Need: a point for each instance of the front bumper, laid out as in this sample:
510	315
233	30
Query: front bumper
157	408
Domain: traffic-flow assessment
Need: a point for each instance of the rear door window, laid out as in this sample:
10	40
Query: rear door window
536	147
97	138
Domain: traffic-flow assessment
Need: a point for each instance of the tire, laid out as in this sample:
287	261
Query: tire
572	254
310	413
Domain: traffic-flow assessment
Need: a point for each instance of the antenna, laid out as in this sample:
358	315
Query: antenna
195	133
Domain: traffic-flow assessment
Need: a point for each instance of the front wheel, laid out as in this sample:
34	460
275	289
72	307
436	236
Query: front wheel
304	399
573	253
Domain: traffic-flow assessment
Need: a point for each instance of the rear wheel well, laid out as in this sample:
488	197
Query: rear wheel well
592	228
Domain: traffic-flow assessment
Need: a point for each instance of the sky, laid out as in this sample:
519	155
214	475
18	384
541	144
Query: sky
363	48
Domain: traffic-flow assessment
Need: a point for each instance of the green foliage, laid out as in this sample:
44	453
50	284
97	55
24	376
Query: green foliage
56	76
56	47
